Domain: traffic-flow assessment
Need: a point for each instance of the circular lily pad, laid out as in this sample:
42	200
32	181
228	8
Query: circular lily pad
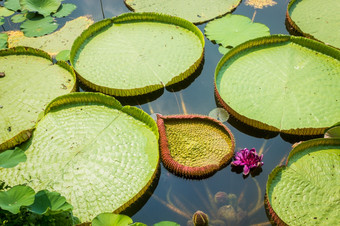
194	146
43	7
97	154
196	11
316	19
281	83
307	190
137	53
29	81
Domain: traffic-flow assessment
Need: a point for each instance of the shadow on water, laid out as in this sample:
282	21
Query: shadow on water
149	97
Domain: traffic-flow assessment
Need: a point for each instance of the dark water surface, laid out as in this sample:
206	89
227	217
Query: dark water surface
198	98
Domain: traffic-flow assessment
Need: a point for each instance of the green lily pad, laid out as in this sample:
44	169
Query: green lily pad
38	26
111	219
55	42
223	50
307	190
333	131
63	55
16	197
259	4
196	11
18	18
2	21
232	30
30	81
3	40
47	202
97	154
194	146
166	223
43	7
276	71
11	158
12	5
316	19
219	114
65	10
137	53
4	12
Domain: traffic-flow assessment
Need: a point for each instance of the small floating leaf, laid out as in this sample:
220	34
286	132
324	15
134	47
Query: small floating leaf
43	7
4	12
261	83
307	190
16	197
196	11
38	26
65	10
111	219
47	202
18	18
316	19
232	30
2	20
55	42
219	114
194	146
11	158
166	223
12	5
333	132
63	55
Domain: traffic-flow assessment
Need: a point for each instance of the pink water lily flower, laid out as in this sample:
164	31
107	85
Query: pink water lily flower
248	159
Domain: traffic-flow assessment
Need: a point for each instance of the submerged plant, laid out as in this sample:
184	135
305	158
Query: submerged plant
249	159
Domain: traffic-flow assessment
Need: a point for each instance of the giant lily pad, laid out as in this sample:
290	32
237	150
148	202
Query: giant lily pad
281	83
232	30
307	190
196	11
194	146
137	53
97	154
316	19
55	42
28	83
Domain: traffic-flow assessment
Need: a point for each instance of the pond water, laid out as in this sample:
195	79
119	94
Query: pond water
187	196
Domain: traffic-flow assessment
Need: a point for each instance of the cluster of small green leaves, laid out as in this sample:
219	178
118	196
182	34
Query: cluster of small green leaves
37	16
20	205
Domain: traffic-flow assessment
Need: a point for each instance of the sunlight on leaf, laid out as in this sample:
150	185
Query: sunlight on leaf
5	12
223	50
16	197
11	158
38	26
259	4
65	10
333	132
2	21
111	219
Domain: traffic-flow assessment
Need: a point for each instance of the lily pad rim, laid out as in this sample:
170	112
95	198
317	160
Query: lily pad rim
273	40
297	28
133	17
203	21
23	50
187	171
300	147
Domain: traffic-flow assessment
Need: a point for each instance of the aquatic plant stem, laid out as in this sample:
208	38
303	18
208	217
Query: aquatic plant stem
101	6
184	108
3	28
150	108
262	224
179	108
252	19
259	202
171	207
211	198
